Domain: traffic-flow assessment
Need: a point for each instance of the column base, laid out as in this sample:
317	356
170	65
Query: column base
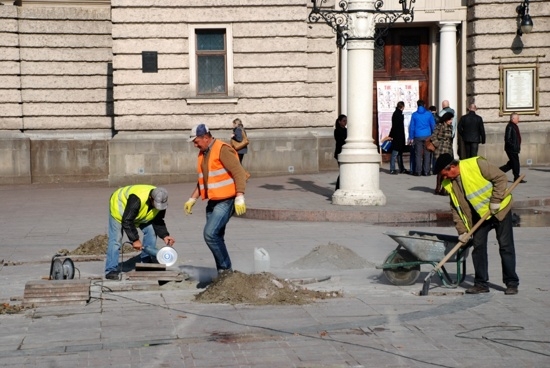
358	198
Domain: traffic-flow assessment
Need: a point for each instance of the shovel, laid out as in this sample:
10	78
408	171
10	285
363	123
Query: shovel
426	287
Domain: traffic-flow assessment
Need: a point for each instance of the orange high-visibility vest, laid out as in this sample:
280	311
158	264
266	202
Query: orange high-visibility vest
219	184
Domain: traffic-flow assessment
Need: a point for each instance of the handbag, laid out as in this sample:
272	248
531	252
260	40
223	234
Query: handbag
429	145
386	146
237	146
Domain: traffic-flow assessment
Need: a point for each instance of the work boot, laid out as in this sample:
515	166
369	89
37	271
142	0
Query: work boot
113	275
511	290
477	289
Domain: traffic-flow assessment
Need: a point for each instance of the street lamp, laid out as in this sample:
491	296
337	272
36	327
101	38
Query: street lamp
526	23
354	22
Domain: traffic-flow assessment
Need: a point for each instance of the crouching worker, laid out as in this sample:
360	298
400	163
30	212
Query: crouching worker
130	207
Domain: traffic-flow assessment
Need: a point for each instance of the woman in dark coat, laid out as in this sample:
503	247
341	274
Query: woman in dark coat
397	136
340	135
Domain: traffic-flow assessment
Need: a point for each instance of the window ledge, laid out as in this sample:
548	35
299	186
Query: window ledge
224	100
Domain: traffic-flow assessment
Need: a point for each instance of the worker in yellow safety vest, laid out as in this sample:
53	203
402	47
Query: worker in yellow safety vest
132	207
476	187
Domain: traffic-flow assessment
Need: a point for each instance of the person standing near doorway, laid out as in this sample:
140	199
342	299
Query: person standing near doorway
397	135
471	130
421	127
446	108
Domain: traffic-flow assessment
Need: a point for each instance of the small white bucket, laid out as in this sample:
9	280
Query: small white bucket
261	260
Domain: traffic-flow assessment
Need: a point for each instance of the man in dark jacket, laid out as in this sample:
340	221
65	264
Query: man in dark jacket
512	146
472	132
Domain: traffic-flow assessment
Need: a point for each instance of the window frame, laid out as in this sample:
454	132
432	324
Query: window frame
193	55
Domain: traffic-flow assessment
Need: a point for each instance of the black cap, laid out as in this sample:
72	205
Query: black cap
442	161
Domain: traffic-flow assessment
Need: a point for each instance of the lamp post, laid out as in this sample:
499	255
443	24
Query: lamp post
355	25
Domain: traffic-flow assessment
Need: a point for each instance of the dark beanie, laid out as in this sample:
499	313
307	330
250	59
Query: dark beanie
442	161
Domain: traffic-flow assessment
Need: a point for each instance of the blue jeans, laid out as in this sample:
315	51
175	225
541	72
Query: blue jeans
505	239
399	155
218	213
149	243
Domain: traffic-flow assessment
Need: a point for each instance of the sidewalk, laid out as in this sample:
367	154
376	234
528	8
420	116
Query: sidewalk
375	324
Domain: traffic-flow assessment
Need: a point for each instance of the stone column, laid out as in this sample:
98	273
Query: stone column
360	160
448	69
344	80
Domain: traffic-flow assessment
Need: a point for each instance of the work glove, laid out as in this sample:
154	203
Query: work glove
188	206
464	238
494	207
240	207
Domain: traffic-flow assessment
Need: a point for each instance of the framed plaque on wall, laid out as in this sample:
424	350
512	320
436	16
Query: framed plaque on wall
519	89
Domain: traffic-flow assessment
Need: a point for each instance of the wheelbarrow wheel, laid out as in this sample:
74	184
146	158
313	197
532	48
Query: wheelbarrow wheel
402	275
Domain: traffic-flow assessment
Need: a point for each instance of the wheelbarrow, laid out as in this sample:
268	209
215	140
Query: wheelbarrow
415	248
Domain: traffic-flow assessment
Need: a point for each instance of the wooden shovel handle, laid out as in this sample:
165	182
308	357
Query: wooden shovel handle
476	226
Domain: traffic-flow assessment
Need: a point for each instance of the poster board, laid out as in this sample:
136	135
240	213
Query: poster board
389	93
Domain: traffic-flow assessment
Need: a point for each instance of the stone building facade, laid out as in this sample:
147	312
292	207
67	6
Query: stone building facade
108	90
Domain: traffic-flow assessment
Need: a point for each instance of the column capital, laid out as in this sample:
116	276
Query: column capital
449	24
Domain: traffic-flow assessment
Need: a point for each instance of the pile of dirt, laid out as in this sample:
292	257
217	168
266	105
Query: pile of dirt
94	246
259	289
7	308
330	257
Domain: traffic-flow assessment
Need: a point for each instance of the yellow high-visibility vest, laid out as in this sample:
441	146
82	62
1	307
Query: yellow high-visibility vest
477	189
120	197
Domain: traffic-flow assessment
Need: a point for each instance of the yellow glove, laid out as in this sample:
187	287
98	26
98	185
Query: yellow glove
240	207
188	206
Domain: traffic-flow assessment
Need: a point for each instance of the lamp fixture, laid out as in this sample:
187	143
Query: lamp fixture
525	23
338	19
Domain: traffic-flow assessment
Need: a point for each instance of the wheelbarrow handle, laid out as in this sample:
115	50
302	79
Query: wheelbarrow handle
472	231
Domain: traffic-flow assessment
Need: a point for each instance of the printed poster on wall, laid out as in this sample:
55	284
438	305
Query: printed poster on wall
389	94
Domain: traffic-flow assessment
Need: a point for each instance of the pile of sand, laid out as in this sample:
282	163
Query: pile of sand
259	289
94	246
330	257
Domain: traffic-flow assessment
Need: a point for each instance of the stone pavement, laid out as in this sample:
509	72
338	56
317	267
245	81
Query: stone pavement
375	324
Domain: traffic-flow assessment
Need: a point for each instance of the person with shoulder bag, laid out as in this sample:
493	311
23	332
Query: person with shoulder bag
239	139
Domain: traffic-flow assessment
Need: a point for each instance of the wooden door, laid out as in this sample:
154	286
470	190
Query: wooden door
405	55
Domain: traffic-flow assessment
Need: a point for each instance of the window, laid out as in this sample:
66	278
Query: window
210	61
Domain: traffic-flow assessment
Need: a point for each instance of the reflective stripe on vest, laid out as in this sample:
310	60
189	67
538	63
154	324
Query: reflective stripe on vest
220	183
119	199
477	189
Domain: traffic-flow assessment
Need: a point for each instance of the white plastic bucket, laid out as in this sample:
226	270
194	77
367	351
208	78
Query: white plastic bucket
261	260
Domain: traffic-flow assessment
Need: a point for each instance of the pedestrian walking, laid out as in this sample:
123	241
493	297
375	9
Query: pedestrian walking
512	146
238	136
132	207
222	180
471	131
477	187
